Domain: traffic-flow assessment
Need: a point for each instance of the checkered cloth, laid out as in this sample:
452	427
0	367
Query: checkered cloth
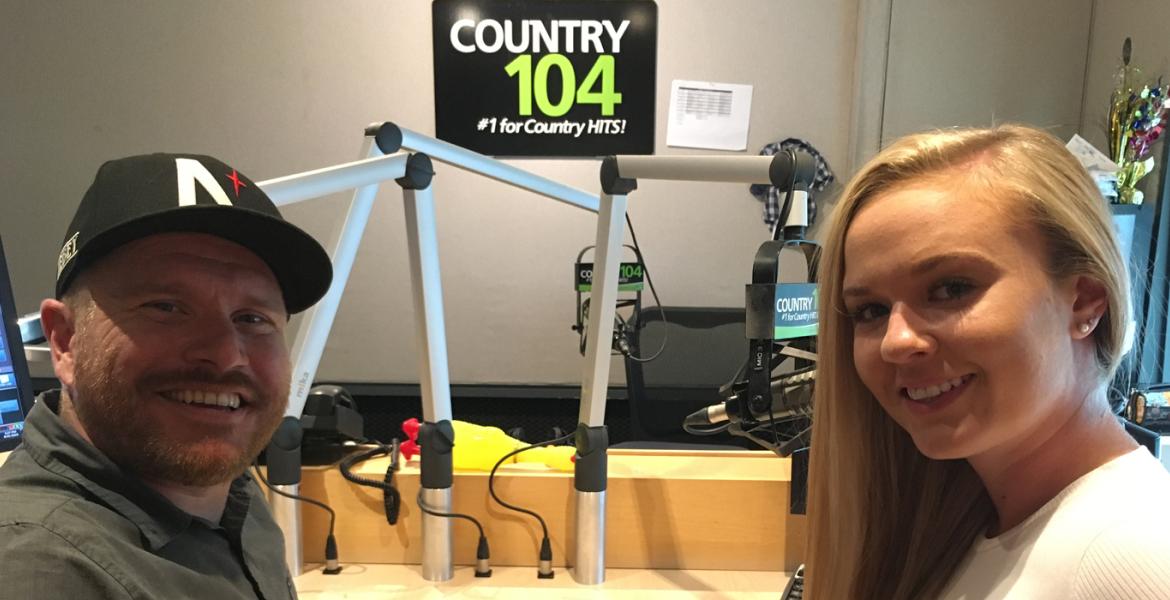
772	197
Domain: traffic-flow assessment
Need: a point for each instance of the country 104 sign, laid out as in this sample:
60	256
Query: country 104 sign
545	77
796	310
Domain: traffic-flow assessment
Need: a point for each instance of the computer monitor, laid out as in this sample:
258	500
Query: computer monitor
15	385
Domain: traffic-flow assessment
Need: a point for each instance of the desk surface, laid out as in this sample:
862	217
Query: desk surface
361	582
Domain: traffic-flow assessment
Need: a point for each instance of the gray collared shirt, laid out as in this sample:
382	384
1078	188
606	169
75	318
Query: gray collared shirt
73	525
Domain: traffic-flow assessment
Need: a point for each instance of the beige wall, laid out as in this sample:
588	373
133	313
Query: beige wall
281	88
277	88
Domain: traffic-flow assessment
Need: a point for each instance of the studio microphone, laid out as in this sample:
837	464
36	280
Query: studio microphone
791	397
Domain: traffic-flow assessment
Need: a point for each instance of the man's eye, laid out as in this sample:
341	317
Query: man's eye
867	313
253	319
163	306
951	289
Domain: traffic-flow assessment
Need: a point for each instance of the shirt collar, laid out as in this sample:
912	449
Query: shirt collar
59	449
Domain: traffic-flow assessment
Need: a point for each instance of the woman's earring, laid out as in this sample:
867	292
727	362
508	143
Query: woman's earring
1086	327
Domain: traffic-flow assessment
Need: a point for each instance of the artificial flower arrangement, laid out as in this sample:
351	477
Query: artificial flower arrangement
1137	116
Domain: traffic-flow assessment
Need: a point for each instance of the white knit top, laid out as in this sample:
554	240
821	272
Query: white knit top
1105	536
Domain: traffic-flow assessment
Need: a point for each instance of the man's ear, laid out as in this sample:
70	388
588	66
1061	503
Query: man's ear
1090	303
57	321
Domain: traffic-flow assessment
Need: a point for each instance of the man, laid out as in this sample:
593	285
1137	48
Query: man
175	282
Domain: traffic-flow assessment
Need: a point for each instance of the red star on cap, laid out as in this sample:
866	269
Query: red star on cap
235	177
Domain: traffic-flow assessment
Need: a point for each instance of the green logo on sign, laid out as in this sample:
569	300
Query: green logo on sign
534	84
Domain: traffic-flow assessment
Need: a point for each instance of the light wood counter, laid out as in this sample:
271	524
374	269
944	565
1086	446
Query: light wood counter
370	582
659	523
665	510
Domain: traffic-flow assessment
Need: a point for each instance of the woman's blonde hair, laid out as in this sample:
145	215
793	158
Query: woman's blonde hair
884	520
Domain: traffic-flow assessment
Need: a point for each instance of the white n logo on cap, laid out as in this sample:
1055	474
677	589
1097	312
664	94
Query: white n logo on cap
188	171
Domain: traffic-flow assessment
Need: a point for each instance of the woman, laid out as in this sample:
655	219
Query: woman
973	310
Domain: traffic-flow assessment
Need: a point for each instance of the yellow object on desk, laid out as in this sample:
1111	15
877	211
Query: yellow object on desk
480	446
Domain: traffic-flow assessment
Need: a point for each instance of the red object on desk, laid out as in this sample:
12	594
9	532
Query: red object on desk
410	447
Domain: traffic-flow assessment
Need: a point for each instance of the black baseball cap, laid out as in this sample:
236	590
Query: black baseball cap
139	196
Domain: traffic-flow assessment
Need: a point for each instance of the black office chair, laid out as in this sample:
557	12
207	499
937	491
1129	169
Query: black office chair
705	347
1151	440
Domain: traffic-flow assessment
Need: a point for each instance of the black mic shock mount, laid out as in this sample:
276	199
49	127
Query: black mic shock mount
624	328
773	409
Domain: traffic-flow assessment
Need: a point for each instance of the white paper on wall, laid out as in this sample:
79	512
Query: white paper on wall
1100	168
705	114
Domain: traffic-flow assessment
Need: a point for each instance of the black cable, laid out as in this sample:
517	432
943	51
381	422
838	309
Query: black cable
331	563
653	292
332	514
491	477
778	230
451	515
545	556
482	553
391	498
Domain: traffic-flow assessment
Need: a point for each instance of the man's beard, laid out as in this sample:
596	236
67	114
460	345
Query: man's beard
108	408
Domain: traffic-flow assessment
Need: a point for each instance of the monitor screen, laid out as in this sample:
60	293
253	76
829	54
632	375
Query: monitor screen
15	385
